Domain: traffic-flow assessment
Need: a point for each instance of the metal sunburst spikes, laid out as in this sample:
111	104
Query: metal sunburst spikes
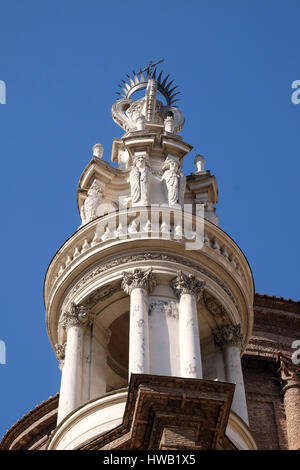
139	82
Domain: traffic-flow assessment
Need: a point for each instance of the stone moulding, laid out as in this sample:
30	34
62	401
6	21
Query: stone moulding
157	404
151	256
103	292
89	239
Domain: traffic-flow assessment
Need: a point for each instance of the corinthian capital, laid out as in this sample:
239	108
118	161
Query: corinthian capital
229	335
60	351
77	316
289	372
138	278
187	284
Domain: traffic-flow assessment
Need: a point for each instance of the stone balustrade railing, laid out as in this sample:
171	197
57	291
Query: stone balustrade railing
155	223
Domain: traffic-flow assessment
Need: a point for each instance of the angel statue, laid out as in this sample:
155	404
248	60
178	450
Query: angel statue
88	210
140	180
174	181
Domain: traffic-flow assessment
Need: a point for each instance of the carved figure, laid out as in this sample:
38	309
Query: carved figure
140	180
174	181
88	211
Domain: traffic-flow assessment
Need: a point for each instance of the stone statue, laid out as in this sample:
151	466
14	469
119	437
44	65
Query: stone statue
174	181
88	211
140	180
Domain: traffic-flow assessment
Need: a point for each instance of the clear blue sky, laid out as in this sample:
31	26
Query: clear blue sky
234	61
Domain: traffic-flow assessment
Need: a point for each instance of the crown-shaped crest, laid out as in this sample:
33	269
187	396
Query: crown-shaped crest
139	81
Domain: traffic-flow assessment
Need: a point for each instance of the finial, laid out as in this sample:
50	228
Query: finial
149	68
139	82
199	163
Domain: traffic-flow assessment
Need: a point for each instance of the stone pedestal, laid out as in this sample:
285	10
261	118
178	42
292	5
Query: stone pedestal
188	290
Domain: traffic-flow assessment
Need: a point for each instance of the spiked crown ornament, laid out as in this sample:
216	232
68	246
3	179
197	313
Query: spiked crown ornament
134	115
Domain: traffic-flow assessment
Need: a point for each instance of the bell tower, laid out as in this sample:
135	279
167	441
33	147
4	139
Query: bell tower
149	303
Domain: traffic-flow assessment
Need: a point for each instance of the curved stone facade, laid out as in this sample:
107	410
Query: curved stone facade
275	323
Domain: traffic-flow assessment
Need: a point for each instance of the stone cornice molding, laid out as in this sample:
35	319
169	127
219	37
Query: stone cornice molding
229	335
153	256
85	242
77	316
289	373
138	279
187	284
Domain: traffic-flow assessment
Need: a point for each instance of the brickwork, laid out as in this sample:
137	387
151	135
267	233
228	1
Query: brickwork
276	326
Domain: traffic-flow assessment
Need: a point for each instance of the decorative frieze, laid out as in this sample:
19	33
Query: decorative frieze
151	256
229	335
215	308
138	278
187	284
165	307
99	295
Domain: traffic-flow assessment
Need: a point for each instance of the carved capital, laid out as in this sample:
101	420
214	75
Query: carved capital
60	351
187	284
77	316
229	335
289	373
138	278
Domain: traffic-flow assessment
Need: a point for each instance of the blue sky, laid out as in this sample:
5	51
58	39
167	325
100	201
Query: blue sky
234	62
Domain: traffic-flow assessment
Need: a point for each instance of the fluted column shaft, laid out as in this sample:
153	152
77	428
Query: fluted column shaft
230	339
188	290
138	284
74	322
290	381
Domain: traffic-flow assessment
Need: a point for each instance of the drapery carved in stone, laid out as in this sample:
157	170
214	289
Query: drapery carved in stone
174	181
140	180
138	278
229	335
88	211
187	284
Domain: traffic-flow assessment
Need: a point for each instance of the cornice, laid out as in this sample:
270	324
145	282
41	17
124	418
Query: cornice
34	415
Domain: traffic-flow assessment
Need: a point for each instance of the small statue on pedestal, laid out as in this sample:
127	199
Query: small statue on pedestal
140	180
174	181
88	211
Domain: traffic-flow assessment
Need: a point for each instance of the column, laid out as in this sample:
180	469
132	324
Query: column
230	339
100	342
289	374
74	322
138	284
188	290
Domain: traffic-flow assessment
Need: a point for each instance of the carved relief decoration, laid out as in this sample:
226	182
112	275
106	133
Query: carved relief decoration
288	372
89	208
174	181
229	335
78	315
187	284
166	307
138	279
